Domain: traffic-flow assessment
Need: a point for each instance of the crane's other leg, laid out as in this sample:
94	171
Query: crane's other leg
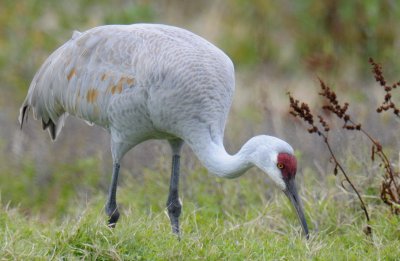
174	205
118	150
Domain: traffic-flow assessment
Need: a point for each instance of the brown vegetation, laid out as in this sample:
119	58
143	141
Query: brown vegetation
390	186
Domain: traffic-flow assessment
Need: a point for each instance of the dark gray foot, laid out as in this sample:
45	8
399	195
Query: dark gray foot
174	211
111	206
113	214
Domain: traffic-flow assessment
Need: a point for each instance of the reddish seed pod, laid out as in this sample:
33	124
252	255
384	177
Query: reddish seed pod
313	129
345	107
326	107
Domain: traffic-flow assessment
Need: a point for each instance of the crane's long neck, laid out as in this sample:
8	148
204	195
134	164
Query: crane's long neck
215	158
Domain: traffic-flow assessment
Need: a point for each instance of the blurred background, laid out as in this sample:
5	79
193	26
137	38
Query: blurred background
276	46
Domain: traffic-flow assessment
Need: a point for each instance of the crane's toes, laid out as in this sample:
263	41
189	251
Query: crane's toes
175	224
113	218
112	221
174	211
175	229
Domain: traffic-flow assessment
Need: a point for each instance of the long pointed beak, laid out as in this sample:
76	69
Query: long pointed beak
291	193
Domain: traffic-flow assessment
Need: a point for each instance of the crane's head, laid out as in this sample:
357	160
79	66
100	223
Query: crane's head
275	157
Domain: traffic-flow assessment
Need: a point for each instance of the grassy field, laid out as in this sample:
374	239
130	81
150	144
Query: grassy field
52	195
229	220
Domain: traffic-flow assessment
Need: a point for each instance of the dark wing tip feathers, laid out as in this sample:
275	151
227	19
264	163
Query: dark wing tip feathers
52	128
24	115
45	125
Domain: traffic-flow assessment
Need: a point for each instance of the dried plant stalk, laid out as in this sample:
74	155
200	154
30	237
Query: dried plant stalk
390	185
390	188
387	104
302	111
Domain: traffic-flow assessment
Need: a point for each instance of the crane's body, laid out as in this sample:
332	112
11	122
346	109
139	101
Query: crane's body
126	78
148	81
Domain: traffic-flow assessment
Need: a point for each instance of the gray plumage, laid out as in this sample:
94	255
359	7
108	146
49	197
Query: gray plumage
136	79
149	81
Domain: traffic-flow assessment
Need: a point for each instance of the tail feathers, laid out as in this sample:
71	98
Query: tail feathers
54	128
51	128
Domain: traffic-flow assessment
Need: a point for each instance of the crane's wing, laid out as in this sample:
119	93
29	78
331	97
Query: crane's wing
79	78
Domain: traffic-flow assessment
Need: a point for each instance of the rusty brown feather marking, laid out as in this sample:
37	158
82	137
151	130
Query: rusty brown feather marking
119	85
111	88
91	95
117	88
130	81
103	77
71	74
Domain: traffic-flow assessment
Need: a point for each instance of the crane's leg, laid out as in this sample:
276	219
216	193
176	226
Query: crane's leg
118	150
111	205
174	205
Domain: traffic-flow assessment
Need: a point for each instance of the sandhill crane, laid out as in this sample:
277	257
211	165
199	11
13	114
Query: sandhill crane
149	81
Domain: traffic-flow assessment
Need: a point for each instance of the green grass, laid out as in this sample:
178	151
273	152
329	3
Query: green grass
147	236
221	219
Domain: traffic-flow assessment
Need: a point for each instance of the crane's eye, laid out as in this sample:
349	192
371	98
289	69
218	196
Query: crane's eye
280	165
